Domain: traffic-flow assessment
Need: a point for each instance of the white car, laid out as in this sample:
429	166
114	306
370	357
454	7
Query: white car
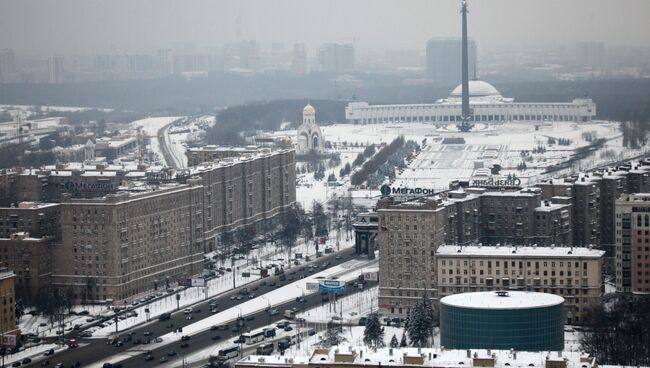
187	311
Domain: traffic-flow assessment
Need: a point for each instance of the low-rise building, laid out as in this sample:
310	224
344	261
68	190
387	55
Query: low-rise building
573	273
362	357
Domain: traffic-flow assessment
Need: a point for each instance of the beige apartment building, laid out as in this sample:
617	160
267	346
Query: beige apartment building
8	309
123	244
409	234
573	273
30	259
210	153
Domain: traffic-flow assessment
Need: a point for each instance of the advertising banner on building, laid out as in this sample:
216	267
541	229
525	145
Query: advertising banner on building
8	340
312	286
331	286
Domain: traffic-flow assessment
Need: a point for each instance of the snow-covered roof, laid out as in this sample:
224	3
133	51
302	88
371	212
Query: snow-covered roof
495	251
502	300
476	88
424	357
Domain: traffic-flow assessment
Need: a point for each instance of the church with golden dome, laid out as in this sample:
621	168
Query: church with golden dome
309	136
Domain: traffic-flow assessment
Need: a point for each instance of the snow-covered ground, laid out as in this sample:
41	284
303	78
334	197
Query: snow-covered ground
150	127
439	163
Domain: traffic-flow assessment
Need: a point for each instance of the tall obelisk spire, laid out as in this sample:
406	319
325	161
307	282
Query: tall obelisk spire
466	112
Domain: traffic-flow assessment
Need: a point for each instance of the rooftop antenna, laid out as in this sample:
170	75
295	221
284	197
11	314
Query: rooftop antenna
465	125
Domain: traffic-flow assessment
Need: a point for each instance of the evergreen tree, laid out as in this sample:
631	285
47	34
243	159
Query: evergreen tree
421	322
332	335
373	335
403	343
393	342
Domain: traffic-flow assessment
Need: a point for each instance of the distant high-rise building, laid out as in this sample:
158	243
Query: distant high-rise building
165	61
249	55
336	58
55	70
7	64
590	54
299	60
443	60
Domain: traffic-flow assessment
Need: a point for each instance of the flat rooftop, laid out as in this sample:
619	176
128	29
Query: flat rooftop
512	251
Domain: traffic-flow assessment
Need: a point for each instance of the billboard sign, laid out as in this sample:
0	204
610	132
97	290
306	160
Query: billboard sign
370	276
8	340
331	286
198	282
194	282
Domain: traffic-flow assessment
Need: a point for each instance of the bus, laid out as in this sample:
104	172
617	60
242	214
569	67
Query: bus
266	349
254	337
228	353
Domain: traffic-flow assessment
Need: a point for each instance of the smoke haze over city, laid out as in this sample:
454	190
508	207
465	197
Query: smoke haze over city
78	26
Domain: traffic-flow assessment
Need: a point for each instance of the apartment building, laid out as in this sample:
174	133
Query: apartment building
632	260
464	216
122	244
210	153
573	273
8	296
553	223
508	217
37	219
409	234
30	259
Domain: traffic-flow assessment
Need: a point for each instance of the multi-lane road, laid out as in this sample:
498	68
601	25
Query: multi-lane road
97	350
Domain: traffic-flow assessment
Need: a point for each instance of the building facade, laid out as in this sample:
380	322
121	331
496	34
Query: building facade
632	233
123	244
409	234
8	296
487	104
573	273
30	259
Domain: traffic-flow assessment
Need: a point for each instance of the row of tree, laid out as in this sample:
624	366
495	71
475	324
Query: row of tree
370	166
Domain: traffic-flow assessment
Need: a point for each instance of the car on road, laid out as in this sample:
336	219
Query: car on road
214	310
251	296
250	318
184	344
197	310
187	311
214	328
223	327
59	365
233	297
185	338
338	257
45	363
107	365
148	358
171	353
273	311
16	364
239	340
26	360
216	337
146	333
49	352
189	318
288	328
163	360
239	297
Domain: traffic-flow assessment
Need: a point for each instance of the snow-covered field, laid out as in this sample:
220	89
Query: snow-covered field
439	163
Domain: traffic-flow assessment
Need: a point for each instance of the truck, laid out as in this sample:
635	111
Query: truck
290	314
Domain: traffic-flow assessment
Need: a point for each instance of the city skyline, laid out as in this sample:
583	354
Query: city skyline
99	27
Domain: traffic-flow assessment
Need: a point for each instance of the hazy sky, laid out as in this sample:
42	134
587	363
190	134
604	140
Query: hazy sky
89	26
